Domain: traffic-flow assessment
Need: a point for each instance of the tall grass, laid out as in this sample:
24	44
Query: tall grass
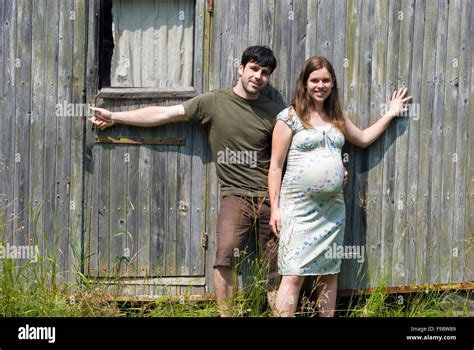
35	289
252	300
42	296
29	291
428	303
168	307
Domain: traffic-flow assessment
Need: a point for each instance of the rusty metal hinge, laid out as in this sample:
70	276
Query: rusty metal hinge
174	141
204	240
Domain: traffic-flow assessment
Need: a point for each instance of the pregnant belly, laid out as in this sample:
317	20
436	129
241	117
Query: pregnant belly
315	172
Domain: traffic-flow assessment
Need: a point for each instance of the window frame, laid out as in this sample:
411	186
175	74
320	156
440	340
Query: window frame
201	46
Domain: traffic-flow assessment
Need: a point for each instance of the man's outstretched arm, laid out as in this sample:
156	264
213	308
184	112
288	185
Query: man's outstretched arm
147	117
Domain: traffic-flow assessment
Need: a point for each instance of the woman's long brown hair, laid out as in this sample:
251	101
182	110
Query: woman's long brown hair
303	103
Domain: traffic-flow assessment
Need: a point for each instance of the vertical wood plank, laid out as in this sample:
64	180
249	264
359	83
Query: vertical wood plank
91	210
400	272
389	241
267	24
339	62
49	137
242	29
464	177
3	22
63	141
132	201
325	34
415	87
229	60
23	112
38	68
198	64
282	44
424	164
76	185
312	28
143	184
216	46
218	61
198	206
339	41
8	122
266	37
184	206
373	202
448	154
350	103
3	137
103	187
435	238
255	13
298	44
469	223
172	203
159	207
118	235
359	226
52	73
92	151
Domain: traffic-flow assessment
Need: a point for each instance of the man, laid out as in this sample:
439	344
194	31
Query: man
241	122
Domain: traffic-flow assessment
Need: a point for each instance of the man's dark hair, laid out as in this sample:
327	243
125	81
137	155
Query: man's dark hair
261	55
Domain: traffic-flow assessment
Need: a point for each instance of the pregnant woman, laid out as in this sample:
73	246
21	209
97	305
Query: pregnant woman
307	206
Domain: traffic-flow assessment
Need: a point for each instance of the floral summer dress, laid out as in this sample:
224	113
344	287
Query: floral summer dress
311	200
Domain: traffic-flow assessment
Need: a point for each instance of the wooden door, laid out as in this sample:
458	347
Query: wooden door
146	192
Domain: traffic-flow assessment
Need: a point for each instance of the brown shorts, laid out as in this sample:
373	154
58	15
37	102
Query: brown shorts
238	218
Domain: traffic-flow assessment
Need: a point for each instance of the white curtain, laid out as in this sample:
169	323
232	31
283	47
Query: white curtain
153	43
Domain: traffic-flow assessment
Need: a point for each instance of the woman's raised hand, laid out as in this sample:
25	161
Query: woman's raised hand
398	103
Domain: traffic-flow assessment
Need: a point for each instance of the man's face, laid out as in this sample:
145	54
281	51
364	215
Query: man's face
254	77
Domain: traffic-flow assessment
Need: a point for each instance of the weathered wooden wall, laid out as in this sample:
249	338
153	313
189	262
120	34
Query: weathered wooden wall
41	169
409	196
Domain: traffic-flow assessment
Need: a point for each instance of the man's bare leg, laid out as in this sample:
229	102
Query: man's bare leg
271	298
223	286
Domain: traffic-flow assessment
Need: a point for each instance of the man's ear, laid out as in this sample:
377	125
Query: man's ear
241	69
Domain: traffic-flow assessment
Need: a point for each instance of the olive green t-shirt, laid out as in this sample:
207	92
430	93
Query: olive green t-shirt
240	133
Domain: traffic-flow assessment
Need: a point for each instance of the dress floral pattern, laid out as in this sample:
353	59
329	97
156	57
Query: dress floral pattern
311	200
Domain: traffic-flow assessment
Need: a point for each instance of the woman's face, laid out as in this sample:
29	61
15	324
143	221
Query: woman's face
319	84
